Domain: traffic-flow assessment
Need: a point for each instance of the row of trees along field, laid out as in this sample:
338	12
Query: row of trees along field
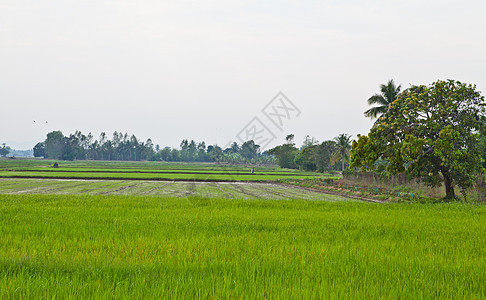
433	133
314	156
78	146
311	156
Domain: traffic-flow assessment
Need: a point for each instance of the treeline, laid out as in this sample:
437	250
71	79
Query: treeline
191	151
314	156
311	156
126	147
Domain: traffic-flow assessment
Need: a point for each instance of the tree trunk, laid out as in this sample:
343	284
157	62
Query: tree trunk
449	186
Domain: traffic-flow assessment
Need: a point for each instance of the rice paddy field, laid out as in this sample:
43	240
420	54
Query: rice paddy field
146	239
230	190
157	171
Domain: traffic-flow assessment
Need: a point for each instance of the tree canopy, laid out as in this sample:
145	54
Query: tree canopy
431	132
4	150
312	155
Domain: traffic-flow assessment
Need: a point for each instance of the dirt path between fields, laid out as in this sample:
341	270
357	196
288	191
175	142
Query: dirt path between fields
219	187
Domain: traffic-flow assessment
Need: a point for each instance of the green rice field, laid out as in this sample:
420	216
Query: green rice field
114	170
138	247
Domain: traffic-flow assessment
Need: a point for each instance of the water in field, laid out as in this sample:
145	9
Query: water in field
235	190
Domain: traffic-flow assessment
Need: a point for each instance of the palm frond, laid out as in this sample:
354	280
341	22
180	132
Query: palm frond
377	99
374	112
389	92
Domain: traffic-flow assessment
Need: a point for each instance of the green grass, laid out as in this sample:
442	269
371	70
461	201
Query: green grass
68	246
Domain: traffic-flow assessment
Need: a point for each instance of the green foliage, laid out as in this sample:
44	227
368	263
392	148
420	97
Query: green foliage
343	144
431	132
389	92
249	150
285	155
306	158
4	150
54	145
313	156
105	247
324	156
78	146
39	150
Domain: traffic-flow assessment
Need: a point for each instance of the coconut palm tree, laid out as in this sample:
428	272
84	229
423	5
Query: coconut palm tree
389	92
343	144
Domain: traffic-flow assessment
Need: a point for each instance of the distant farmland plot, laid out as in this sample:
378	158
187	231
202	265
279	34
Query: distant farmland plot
144	165
233	190
146	171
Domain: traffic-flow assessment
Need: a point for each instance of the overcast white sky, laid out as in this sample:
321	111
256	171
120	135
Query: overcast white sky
202	70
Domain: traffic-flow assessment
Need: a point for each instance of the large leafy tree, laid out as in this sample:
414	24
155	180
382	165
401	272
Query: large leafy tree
431	132
389	92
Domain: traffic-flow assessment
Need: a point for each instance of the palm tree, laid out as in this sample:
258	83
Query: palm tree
343	144
389	92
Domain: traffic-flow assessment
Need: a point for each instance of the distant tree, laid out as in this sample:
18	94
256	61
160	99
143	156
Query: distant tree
343	144
267	159
39	149
235	148
148	151
216	153
184	150
81	145
285	155
306	158
134	148
325	152
249	150
71	148
389	93
4	150
201	152
175	155
192	151
89	146
309	141
54	145
290	139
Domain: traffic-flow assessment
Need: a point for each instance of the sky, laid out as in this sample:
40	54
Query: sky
223	71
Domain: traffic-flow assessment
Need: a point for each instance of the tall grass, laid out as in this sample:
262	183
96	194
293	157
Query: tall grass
148	247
